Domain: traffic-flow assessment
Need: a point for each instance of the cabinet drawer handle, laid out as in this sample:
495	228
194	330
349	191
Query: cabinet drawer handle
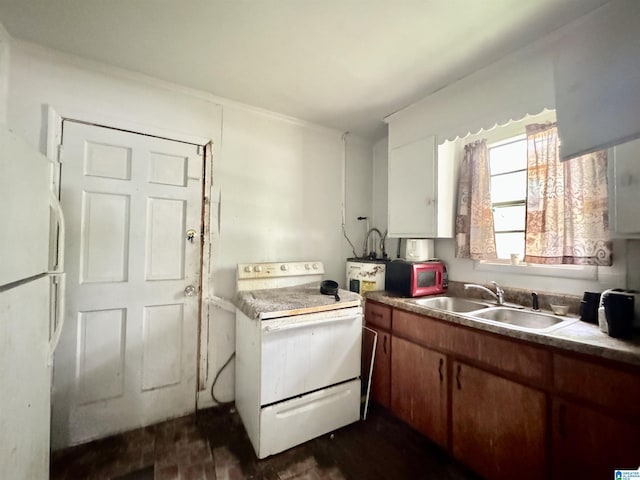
440	365
384	345
458	377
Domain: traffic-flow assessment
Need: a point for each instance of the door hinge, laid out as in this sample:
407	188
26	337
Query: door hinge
200	150
60	151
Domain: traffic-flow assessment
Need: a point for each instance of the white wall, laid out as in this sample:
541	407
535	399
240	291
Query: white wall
280	180
380	192
359	186
5	41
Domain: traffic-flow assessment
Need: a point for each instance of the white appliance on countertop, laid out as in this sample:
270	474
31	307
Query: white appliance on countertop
366	275
31	298
297	355
418	249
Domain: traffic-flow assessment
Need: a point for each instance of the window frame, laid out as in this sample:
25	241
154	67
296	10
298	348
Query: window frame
507	141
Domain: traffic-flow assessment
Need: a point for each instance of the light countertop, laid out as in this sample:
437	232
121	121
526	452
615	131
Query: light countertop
575	336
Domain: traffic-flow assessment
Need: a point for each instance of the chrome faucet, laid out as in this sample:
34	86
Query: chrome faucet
498	295
373	253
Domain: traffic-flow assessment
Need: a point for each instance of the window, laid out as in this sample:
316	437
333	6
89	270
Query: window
508	170
566	232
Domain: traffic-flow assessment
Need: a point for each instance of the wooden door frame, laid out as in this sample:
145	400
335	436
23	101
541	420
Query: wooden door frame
55	119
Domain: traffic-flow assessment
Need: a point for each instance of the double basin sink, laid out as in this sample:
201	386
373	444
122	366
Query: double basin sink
514	316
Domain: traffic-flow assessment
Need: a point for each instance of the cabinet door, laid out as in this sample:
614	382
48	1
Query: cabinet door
624	189
381	378
419	389
412	189
596	73
498	426
590	444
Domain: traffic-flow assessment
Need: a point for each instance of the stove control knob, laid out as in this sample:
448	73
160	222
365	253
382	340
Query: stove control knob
247	269
315	266
307	266
284	267
257	269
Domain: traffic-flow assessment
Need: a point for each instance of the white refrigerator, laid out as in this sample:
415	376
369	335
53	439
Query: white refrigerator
31	282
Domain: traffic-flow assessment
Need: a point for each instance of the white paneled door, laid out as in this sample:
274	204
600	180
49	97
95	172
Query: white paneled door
127	358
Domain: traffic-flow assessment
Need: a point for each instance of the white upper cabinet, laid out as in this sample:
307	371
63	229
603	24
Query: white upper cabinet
597	80
624	190
412	189
421	190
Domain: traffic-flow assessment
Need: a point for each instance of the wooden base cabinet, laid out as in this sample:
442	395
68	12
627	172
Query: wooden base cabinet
419	389
509	409
589	444
378	318
381	378
596	429
498	426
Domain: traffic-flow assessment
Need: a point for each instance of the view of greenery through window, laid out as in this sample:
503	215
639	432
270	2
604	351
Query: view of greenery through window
508	168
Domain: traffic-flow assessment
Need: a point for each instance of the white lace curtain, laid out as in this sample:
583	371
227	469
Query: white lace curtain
567	203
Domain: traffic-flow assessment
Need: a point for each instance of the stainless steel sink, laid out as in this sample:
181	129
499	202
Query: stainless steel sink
450	304
520	318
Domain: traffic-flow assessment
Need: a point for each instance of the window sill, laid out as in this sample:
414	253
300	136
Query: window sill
582	272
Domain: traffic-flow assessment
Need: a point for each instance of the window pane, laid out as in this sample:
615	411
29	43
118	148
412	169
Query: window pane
508	243
508	157
509	218
509	187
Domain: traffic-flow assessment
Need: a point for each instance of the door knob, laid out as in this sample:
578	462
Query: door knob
191	234
190	291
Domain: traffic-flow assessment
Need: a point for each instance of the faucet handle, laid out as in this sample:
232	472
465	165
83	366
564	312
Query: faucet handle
498	287
534	301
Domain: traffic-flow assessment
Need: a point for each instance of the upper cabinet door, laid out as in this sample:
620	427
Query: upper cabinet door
624	190
597	80
412	189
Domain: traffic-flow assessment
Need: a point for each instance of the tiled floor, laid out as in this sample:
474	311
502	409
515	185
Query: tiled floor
214	445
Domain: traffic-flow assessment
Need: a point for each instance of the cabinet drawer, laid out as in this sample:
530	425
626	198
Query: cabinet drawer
526	361
508	356
600	384
377	315
422	330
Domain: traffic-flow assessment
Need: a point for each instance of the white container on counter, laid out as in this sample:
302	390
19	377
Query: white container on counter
365	275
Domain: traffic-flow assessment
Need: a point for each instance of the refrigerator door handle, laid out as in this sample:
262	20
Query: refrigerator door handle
56	206
59	273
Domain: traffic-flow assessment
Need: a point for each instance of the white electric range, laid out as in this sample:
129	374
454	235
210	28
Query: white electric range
298	355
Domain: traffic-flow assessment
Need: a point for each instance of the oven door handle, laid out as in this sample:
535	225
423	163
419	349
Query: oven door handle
313	323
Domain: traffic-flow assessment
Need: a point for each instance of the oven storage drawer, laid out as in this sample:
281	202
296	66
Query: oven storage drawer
300	419
307	352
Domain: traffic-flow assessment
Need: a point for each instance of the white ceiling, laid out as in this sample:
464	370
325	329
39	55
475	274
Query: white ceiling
344	64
